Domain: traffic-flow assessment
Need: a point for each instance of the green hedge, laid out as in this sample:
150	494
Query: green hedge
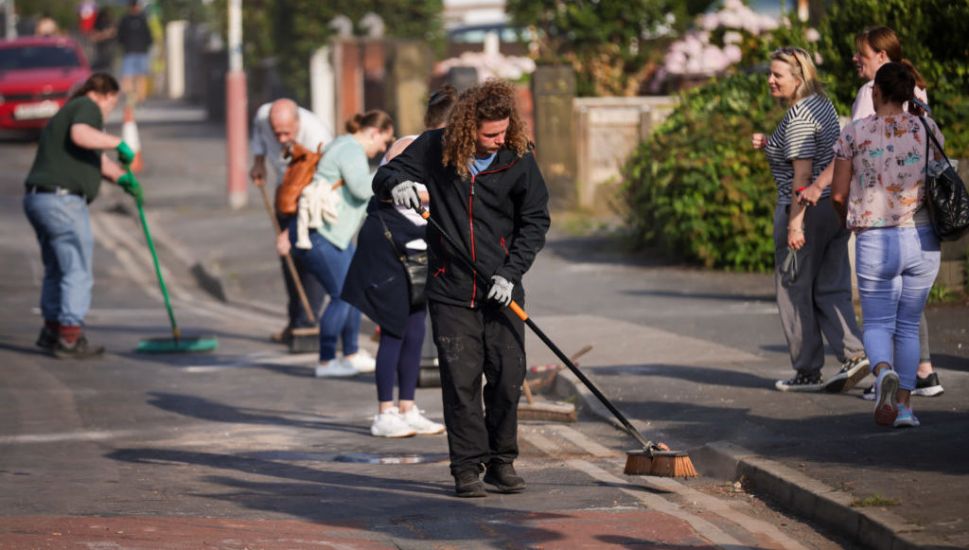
697	188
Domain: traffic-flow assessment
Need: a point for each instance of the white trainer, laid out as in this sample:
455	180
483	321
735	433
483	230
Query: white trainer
423	425
335	368
391	424
362	361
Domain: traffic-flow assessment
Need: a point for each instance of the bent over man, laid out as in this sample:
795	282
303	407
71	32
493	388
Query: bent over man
487	193
275	128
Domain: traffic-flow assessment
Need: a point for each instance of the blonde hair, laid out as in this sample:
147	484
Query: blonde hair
802	68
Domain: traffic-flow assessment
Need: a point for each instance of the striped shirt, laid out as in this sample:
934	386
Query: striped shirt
808	131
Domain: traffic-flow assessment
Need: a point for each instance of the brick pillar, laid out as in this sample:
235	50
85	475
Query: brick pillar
374	75
349	72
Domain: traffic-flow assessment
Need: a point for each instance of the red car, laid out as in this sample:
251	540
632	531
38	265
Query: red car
37	74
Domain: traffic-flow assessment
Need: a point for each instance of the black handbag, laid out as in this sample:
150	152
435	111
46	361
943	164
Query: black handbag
945	196
415	266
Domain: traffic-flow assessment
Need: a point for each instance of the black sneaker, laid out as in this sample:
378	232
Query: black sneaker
928	386
869	393
502	475
47	339
80	349
802	381
852	371
467	485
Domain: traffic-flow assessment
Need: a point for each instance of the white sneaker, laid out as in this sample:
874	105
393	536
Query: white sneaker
391	424
420	423
362	361
335	368
886	404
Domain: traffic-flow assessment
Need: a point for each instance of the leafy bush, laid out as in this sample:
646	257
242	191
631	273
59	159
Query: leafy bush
933	35
699	191
697	188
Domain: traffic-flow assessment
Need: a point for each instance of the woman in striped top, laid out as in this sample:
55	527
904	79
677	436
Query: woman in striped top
812	273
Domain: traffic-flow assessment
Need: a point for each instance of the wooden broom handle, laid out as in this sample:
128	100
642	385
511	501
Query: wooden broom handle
288	259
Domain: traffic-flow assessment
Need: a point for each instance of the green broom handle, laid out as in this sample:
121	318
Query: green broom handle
161	281
521	314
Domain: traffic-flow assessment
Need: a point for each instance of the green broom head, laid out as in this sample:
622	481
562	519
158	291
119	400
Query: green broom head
181	345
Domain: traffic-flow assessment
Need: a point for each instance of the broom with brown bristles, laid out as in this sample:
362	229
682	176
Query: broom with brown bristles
654	458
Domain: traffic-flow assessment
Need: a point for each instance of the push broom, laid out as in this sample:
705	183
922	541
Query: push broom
177	343
654	458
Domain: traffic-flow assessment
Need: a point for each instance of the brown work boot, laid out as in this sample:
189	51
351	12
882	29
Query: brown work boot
72	344
79	349
502	475
284	336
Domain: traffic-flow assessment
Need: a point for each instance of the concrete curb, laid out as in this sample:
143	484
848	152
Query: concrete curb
794	492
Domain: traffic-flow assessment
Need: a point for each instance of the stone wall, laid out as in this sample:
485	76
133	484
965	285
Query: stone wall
607	131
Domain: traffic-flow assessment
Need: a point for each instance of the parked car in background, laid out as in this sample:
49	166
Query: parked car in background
37	75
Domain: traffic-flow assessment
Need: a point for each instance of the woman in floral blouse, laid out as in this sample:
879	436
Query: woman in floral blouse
879	188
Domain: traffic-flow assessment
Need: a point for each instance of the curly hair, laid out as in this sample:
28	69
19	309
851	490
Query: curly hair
493	100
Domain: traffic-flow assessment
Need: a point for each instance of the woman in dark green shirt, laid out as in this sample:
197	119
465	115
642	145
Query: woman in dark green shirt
64	178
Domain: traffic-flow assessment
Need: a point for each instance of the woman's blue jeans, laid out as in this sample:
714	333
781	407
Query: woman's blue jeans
329	265
896	267
63	229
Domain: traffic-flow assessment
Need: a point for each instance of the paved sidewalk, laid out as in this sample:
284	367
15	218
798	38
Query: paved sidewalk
689	355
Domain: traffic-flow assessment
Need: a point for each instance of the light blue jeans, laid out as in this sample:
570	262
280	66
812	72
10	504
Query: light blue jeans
896	268
63	230
329	265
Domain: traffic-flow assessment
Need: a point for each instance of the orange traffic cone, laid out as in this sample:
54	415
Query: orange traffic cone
129	133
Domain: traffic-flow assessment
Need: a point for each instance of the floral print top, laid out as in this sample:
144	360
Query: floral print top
887	157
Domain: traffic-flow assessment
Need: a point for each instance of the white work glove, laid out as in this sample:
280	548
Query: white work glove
500	290
405	194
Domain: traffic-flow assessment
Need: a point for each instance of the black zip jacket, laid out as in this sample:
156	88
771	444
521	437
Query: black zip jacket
500	216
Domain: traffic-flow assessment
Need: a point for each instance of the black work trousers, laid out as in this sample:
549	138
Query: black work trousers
315	292
487	341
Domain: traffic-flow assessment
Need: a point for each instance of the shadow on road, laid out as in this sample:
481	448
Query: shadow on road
394	506
700	375
689	295
206	409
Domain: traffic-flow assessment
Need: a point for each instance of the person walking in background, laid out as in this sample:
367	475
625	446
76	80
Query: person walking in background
103	37
64	178
135	39
378	285
812	272
275	128
342	188
876	46
487	193
879	190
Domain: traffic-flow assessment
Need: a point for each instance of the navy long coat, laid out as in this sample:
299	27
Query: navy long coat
376	282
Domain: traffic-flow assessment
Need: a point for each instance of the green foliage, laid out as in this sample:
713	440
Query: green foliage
64	12
697	189
612	44
291	30
933	35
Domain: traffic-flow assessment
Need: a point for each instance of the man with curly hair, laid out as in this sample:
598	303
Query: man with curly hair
488	194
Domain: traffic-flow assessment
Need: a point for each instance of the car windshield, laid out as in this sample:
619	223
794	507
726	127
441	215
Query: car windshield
37	57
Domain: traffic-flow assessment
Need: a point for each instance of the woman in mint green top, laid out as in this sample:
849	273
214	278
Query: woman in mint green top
328	259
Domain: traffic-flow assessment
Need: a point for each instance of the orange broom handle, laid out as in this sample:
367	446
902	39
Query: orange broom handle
517	309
